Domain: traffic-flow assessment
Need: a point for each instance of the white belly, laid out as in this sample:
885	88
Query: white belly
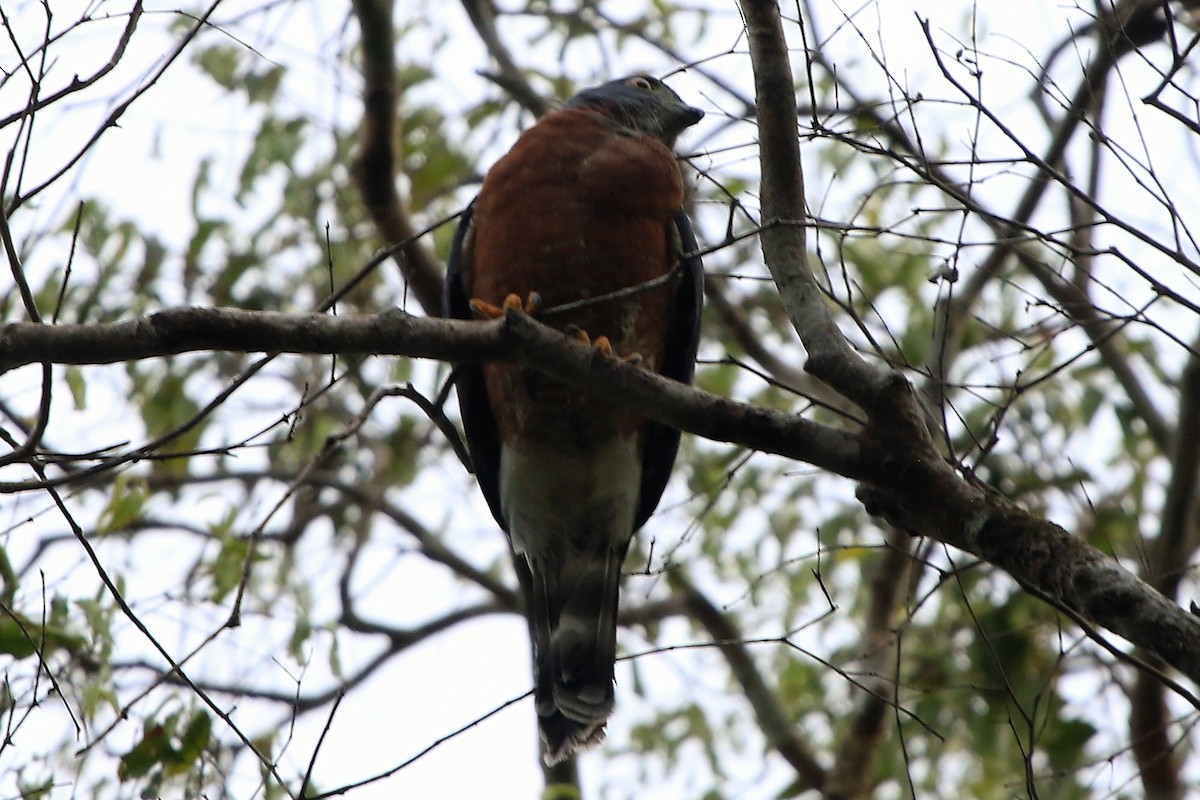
558	502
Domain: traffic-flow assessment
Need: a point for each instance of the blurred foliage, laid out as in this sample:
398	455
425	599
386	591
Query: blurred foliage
254	501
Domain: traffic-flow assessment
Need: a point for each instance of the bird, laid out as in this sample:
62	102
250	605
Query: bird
586	204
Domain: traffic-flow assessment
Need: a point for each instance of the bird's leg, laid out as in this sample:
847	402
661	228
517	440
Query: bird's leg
485	310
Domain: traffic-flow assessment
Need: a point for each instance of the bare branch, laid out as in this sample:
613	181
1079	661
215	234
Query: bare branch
517	338
772	718
1012	230
851	776
510	78
19	199
78	84
912	486
831	358
34	436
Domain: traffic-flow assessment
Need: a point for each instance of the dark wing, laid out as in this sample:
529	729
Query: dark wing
483	438
679	363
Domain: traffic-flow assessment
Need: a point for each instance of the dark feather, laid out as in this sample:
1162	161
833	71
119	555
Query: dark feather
483	439
662	441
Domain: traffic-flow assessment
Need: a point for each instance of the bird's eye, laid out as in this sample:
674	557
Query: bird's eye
641	83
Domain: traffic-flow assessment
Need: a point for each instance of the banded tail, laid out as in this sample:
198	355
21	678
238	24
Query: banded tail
574	626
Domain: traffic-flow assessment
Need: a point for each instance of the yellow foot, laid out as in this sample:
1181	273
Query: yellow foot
485	310
601	343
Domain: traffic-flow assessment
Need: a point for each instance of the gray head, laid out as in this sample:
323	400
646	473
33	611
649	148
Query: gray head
641	103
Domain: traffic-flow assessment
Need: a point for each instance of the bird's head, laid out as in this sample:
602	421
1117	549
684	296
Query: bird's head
641	103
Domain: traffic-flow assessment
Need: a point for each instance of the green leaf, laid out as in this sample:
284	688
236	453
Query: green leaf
335	659
223	63
8	579
98	617
17	637
262	87
96	695
35	790
227	568
166	408
717	378
152	260
1064	742
151	751
194	741
276	143
300	635
125	504
77	383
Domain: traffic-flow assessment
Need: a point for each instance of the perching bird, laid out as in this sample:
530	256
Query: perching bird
587	202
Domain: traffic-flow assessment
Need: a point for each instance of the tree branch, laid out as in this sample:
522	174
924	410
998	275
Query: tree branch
912	486
1167	559
772	718
851	775
77	83
1011	232
903	477
483	17
517	339
831	358
375	167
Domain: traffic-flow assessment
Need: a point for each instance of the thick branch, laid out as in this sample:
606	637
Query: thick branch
924	495
773	719
375	166
516	339
851	775
483	16
183	330
903	476
831	358
1167	558
911	485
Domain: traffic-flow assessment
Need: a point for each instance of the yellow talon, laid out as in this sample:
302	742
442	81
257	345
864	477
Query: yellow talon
601	343
485	310
532	305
